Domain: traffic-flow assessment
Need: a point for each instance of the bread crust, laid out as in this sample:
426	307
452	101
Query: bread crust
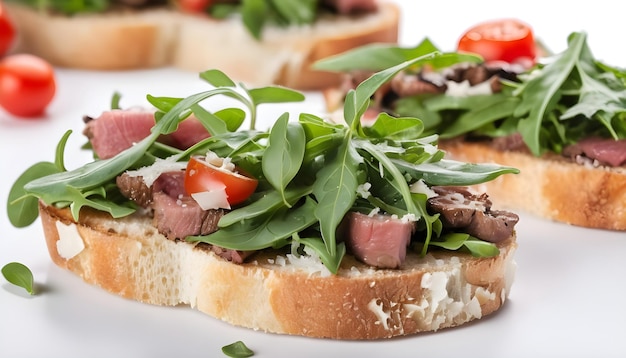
129	258
551	186
123	40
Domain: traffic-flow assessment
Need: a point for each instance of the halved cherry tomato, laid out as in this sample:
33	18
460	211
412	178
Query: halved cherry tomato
203	176
194	6
27	85
507	40
7	31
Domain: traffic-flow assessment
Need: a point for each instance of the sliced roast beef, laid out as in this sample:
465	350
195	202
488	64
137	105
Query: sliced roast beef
512	142
406	85
378	240
189	132
606	151
135	189
116	130
171	183
179	217
236	256
464	210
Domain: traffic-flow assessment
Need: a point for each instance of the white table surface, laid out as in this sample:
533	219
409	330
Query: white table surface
567	300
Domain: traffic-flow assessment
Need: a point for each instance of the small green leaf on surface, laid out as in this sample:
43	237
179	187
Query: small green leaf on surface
237	350
19	275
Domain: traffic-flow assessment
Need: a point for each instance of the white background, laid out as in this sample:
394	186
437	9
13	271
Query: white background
567	301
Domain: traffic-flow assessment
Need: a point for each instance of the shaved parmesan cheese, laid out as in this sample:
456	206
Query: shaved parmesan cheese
364	190
212	199
464	89
70	242
420	187
150	173
223	163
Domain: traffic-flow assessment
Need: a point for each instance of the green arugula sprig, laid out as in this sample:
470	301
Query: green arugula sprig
377	57
309	170
556	104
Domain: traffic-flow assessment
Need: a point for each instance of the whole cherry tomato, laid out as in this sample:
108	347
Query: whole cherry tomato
7	31
508	40
27	85
203	176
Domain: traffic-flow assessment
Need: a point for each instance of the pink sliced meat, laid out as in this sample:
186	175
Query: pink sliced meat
116	130
189	132
378	240
605	150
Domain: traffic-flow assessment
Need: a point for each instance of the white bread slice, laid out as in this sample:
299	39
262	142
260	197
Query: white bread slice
551	186
121	40
276	293
109	41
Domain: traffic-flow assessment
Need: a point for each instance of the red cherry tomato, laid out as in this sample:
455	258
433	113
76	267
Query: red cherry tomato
7	31
194	6
27	85
507	40
203	176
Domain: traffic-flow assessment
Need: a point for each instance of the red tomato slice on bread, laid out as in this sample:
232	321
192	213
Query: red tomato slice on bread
202	175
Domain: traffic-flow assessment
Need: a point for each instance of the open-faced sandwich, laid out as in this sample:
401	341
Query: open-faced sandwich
309	228
560	119
259	42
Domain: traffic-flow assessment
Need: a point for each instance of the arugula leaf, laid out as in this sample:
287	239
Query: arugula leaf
482	111
451	172
19	275
115	100
237	350
284	154
299	12
480	248
211	122
376	57
253	14
269	201
269	230
217	78
331	261
456	241
22	209
335	191
271	94
400	128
